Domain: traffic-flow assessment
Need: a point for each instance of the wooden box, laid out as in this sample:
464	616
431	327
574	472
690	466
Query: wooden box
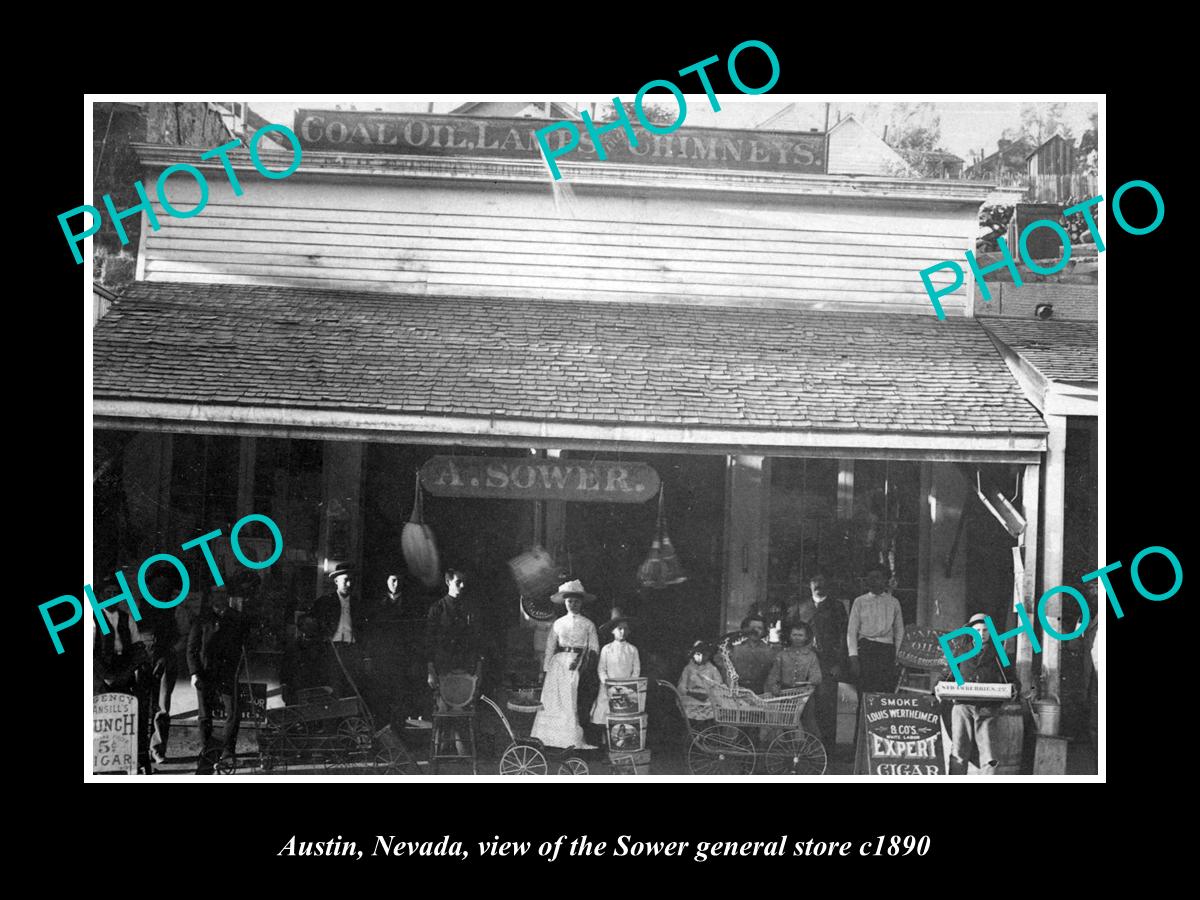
626	696
626	733
624	763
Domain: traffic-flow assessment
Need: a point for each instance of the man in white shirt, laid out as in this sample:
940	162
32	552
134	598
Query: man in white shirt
873	632
342	618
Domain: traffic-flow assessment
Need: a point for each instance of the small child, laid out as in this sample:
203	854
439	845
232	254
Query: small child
618	659
795	665
697	675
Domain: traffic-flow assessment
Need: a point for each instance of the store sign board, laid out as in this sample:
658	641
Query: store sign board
343	131
537	478
114	733
900	735
920	648
252	703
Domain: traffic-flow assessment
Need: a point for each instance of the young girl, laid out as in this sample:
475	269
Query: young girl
697	675
795	665
618	659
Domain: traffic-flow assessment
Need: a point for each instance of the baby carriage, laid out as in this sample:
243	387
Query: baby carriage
527	755
337	733
743	722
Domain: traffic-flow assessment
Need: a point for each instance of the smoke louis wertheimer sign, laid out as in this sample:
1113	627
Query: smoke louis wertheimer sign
899	735
527	478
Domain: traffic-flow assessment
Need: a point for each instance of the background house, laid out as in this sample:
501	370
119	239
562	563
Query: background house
1006	165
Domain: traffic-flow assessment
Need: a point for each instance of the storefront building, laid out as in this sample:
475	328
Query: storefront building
715	308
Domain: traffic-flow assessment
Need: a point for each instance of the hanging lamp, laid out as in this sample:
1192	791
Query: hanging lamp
419	545
661	567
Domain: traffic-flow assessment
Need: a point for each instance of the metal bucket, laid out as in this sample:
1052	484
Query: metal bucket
1047	714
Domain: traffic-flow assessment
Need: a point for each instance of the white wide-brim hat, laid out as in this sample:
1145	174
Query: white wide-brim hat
571	589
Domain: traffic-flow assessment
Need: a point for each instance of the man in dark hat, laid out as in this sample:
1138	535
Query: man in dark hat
829	621
343	621
394	642
160	634
971	722
305	660
214	653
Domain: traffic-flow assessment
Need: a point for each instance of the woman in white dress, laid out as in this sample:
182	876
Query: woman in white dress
618	659
571	638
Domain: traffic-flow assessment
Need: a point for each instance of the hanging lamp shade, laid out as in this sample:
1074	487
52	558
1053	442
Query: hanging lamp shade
536	576
661	567
419	545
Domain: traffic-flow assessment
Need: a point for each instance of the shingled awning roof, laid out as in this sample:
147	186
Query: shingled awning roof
1062	350
606	368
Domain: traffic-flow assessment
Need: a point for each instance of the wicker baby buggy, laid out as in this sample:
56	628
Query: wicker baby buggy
729	746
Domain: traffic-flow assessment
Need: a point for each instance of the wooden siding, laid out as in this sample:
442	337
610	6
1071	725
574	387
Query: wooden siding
482	240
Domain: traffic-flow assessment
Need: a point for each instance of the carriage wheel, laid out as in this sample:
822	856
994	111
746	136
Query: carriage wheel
796	752
394	761
357	729
523	759
573	766
225	766
339	755
721	750
287	730
272	761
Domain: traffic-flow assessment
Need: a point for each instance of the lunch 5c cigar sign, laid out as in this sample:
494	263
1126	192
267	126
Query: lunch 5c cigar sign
527	478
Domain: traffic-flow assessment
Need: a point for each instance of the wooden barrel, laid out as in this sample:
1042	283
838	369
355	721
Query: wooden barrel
1008	739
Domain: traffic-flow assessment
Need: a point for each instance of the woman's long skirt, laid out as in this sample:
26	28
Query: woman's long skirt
557	722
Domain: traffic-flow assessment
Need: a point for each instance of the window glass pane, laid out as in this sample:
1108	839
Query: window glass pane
222	464
187	462
870	480
820	488
904	490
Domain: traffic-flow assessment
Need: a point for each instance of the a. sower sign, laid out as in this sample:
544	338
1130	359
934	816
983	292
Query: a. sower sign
530	478
511	138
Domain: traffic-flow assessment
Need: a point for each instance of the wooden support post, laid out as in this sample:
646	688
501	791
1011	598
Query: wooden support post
341	492
245	487
747	536
1030	492
925	548
163	524
1052	570
554	523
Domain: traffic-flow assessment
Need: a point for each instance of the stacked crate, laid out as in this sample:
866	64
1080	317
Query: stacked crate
625	732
